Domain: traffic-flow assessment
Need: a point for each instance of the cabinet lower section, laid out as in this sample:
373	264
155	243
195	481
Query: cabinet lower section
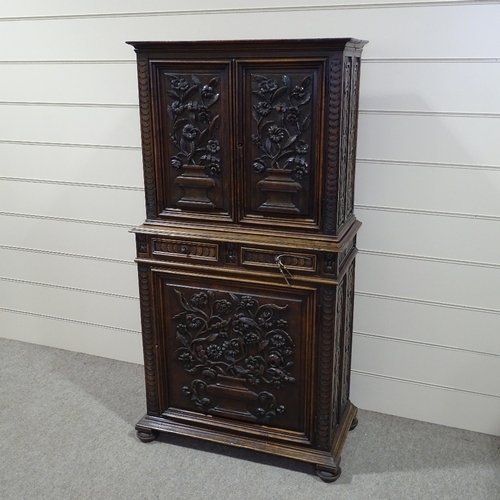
246	358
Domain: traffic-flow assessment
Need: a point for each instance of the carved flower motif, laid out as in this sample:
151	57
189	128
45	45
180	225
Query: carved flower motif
254	364
247	302
180	84
204	114
301	147
213	146
259	166
190	132
176	162
199	299
215	352
268	85
276	134
222	306
251	339
263	108
187	360
278	340
299	91
292	115
266	319
207	91
214	169
177	108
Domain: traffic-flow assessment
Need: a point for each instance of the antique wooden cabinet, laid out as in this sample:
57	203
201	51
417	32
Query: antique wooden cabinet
246	259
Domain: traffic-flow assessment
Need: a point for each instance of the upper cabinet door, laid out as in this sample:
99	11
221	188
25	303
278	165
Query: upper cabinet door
280	134
193	145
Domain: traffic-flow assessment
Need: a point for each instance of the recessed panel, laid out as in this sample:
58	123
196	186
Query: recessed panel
280	137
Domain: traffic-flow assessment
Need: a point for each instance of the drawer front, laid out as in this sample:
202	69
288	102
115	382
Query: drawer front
271	259
166	248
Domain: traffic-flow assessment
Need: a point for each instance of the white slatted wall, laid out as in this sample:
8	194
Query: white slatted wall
427	312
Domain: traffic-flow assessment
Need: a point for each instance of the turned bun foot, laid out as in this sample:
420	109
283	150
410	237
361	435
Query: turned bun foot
328	474
146	436
354	424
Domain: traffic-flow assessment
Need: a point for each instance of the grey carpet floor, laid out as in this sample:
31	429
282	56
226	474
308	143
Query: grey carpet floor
67	432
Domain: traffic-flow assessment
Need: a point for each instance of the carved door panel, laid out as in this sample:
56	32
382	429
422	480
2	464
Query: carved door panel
281	129
242	352
195	150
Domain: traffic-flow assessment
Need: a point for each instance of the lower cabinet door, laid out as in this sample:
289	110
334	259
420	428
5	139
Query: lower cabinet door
235	350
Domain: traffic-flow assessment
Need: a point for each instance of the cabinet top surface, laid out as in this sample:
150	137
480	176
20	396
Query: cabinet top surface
327	44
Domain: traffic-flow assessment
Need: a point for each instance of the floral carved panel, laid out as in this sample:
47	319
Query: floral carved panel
281	120
195	124
235	355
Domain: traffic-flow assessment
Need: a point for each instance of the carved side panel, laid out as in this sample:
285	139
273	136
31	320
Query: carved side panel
353	121
150	361
344	140
333	147
347	336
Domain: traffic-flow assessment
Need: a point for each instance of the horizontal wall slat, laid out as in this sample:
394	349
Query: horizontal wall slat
73	238
69	270
84	307
428	138
61	9
70	40
72	336
414	322
107	205
106	166
431	281
427	87
458	370
428	403
74	125
98	83
379	184
442	237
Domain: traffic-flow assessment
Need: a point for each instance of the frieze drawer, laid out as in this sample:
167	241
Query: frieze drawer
276	258
181	248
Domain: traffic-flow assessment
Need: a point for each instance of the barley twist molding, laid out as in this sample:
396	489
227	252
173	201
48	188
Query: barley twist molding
147	137
339	316
150	367
324	412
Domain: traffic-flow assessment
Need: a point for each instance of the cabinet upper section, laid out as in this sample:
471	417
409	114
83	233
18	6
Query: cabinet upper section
255	133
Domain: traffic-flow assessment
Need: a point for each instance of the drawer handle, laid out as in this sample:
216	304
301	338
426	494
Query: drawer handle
283	269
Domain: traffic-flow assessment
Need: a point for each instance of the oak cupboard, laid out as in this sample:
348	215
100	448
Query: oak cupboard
246	258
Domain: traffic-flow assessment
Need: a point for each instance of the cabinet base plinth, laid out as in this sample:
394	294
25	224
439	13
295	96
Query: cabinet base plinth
326	463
